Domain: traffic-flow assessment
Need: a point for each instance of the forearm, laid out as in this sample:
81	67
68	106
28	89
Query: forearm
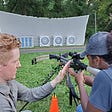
60	76
37	93
83	96
54	83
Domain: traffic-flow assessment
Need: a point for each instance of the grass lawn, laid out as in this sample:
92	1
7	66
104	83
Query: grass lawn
34	75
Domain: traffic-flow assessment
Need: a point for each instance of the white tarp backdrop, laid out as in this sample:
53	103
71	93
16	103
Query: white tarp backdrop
33	27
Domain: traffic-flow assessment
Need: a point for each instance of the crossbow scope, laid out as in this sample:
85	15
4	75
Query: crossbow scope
76	64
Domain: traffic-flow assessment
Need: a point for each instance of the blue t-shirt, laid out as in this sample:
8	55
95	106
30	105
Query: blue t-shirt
101	94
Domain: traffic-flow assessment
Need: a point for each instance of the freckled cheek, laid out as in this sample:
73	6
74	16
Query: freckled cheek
13	70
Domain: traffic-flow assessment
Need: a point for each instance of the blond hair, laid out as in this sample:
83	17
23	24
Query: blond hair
7	43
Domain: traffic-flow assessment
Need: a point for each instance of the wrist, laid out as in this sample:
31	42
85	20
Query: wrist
80	84
53	83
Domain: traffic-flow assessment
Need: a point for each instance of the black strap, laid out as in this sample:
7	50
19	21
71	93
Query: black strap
72	92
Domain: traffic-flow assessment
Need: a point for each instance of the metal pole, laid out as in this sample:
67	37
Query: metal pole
95	22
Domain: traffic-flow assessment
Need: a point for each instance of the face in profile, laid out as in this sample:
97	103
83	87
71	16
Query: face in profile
8	70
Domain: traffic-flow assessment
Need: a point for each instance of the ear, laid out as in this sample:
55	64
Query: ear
101	63
97	61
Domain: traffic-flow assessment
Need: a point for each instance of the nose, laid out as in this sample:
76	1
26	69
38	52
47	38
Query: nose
18	64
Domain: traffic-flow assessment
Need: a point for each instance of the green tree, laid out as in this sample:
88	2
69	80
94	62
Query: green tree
2	5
